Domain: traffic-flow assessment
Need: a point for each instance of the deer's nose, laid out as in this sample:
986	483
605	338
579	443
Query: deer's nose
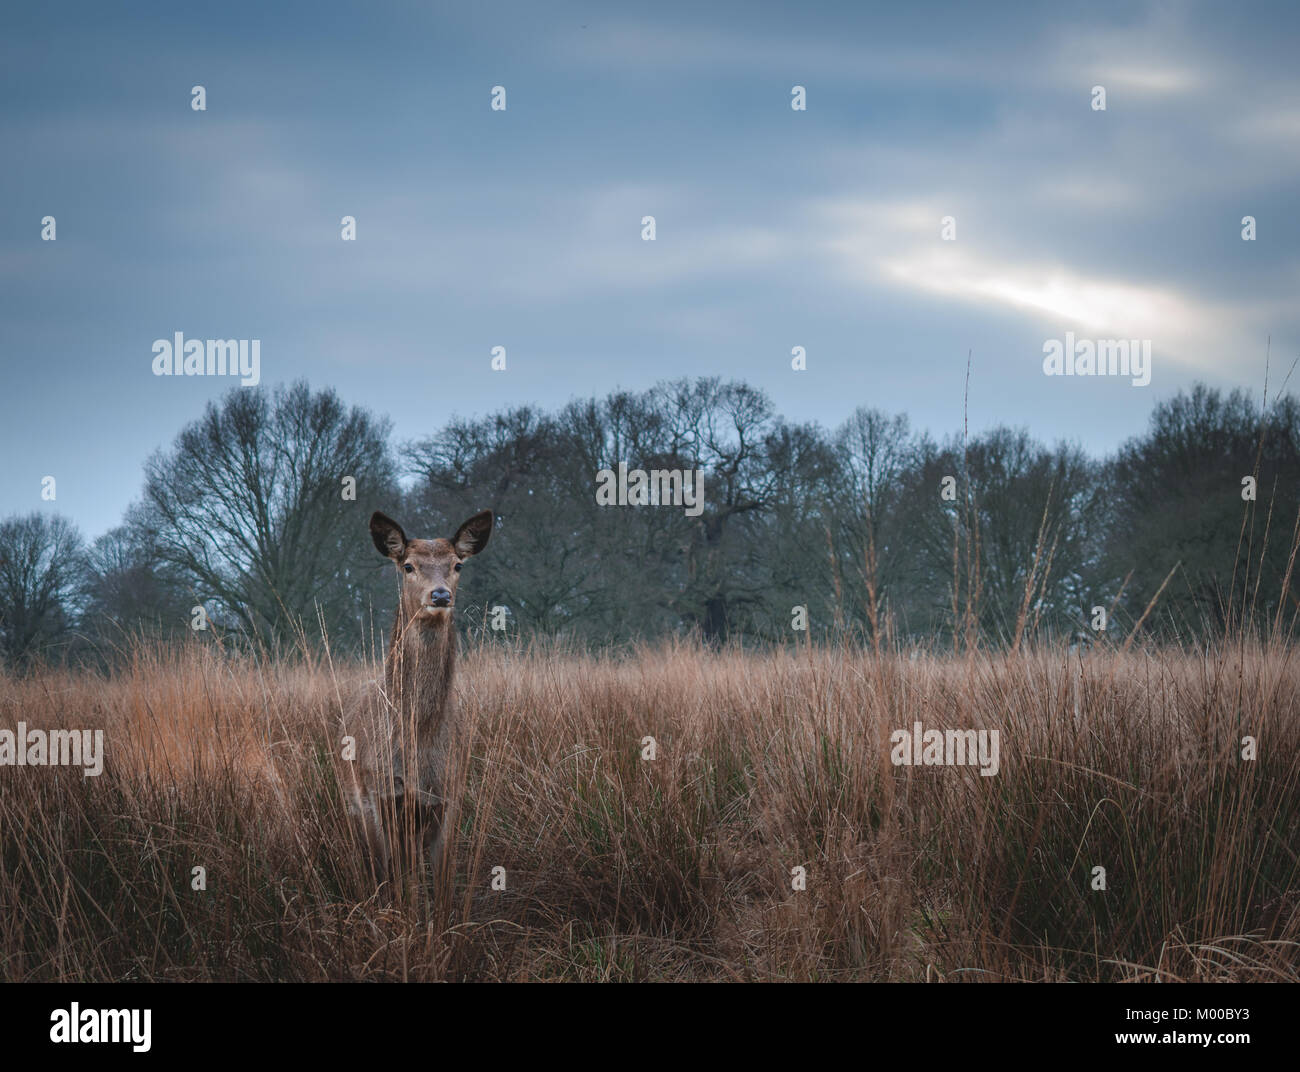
440	597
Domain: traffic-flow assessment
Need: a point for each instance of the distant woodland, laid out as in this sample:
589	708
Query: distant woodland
880	533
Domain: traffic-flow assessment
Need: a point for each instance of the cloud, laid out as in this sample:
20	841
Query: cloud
1145	79
628	46
897	245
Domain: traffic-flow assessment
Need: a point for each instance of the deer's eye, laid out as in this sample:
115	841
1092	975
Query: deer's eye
409	568
458	566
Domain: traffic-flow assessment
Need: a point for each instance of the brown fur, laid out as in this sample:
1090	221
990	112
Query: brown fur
406	730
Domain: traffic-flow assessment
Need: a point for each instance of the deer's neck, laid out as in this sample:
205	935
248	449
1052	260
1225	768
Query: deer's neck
420	667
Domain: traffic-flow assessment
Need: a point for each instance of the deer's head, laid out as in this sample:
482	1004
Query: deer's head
429	569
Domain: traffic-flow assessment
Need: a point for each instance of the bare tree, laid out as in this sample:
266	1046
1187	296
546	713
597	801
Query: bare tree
1175	500
1024	520
721	428
876	452
41	566
128	585
251	506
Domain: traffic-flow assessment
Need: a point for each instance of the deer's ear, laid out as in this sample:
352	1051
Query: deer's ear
389	538
473	536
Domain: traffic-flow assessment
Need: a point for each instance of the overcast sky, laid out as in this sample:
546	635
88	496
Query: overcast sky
522	228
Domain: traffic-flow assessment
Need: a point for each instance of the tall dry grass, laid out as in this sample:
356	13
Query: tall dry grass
677	868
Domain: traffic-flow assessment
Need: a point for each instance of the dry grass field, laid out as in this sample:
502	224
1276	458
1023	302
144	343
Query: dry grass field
676	868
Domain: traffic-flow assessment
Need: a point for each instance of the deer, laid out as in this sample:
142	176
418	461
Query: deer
399	783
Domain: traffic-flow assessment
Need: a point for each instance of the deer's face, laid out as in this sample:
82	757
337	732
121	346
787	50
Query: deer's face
430	569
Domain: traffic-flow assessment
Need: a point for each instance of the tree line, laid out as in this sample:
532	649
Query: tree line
253	525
